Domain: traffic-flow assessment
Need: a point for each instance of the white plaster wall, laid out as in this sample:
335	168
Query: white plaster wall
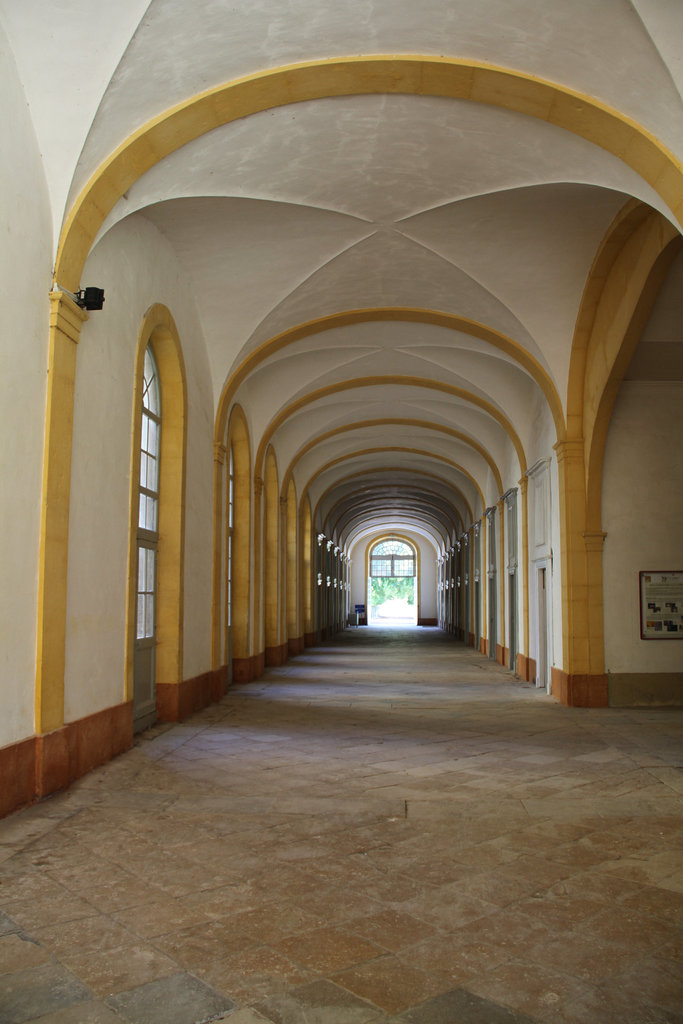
543	524
542	433
642	501
428	578
137	268
67	54
25	269
510	469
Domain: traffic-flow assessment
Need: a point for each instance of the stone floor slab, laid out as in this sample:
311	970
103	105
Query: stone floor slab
180	999
18	952
463	1007
36	991
321	1002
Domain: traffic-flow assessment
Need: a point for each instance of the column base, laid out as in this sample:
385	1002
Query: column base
526	668
275	656
36	767
246	670
177	701
578	690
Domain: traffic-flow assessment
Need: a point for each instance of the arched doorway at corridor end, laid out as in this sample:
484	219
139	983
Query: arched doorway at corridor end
392	582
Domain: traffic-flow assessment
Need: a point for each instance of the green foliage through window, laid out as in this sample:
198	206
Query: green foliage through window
392	589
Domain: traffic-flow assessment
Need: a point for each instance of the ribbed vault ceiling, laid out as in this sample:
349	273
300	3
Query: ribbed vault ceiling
388	284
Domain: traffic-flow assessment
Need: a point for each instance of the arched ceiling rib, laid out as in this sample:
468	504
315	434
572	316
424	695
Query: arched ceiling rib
414	456
377	509
374	497
406	478
599	49
424	426
279	264
414	384
357	541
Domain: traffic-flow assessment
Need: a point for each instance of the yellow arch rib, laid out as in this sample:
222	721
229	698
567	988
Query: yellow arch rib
386	469
366	382
405	450
342	522
395	421
347	76
402	314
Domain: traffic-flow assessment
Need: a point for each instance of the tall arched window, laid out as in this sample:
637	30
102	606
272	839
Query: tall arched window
233	628
147	545
156	552
230	530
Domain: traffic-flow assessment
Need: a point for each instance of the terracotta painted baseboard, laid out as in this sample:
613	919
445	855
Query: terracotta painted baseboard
295	646
177	701
470	639
275	656
70	752
580	691
427	622
18	774
310	639
526	668
483	645
500	654
246	670
241	670
41	765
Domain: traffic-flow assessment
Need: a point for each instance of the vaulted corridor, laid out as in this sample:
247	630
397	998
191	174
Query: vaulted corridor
390	827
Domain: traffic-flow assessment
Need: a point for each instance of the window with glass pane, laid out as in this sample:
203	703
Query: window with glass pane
381	567
149	446
146	591
392	558
148	503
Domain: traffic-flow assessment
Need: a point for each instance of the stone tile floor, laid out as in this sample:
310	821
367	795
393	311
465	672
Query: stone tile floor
389	828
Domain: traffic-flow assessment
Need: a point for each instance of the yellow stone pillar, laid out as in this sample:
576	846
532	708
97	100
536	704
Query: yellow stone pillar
258	631
570	465
594	543
218	582
66	320
581	681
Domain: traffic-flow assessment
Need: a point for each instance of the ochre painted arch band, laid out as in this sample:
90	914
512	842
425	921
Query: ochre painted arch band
410	74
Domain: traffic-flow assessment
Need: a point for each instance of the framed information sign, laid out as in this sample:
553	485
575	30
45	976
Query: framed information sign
661	605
